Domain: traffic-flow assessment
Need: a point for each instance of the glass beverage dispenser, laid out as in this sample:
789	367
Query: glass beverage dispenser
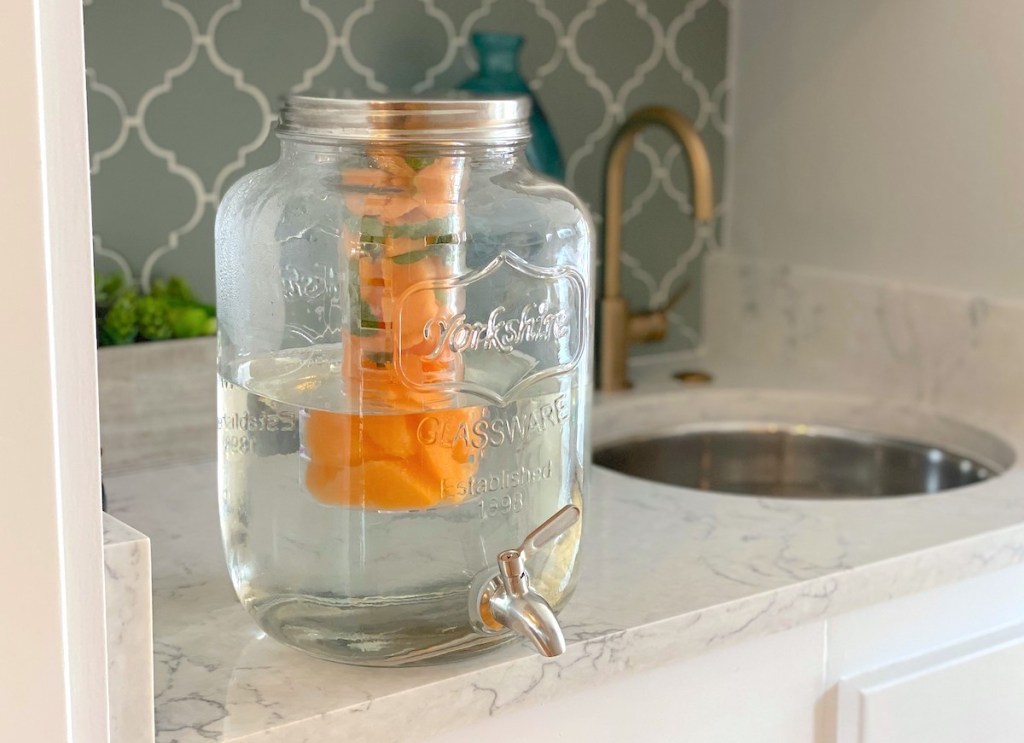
404	362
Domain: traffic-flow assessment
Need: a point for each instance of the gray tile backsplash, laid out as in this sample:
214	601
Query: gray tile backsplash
183	95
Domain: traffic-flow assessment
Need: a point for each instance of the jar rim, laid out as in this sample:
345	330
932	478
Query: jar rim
452	122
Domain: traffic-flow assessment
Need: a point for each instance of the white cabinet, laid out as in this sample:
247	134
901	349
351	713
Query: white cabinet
942	665
973	691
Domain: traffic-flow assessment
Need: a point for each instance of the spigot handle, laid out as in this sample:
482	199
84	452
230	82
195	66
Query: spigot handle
559	523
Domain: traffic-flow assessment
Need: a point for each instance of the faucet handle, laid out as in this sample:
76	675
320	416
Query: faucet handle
652	325
676	297
553	527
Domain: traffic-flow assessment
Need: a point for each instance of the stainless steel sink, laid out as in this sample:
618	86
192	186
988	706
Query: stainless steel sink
794	461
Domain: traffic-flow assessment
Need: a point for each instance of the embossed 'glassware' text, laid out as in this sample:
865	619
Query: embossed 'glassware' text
405	313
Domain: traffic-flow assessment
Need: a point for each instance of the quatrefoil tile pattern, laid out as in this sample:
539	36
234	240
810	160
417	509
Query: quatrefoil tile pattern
183	96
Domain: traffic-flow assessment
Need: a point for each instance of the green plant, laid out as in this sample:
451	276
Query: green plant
170	310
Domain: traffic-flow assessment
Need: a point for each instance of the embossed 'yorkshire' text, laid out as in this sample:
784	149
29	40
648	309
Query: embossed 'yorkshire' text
504	331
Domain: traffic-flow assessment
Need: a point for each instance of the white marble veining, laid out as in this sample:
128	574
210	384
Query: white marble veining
668	573
129	604
775	325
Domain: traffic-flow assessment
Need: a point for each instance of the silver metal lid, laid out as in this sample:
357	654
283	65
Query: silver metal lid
443	121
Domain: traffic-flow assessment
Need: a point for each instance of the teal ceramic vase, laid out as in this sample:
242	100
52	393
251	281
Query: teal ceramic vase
498	55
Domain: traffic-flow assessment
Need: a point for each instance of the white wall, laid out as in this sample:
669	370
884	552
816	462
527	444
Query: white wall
53	679
884	138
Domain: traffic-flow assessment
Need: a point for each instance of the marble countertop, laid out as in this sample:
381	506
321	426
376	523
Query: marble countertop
668	573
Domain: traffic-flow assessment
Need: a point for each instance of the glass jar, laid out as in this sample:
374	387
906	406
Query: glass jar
404	314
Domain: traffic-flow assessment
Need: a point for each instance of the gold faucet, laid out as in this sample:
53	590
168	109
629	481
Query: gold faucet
619	326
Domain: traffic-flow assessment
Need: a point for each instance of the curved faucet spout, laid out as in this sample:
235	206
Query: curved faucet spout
619	327
533	618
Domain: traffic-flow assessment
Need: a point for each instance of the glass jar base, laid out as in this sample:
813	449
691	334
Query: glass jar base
335	629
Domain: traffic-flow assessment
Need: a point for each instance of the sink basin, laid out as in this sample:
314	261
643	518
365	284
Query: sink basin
795	461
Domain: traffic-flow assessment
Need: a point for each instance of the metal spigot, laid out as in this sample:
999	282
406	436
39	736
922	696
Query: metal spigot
507	601
619	326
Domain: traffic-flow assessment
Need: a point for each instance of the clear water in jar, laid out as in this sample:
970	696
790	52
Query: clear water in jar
355	582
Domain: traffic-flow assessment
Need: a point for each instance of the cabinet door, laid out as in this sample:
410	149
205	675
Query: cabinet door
972	691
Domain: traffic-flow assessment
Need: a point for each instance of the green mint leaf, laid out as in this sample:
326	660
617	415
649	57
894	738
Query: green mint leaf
411	257
419	163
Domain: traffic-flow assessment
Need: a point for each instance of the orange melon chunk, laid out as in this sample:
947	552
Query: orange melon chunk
377	461
452	458
438	183
332	440
394	485
329	485
393	163
386	485
398	206
390	435
367	178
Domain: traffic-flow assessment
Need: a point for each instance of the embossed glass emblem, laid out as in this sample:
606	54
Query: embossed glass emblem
531	315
